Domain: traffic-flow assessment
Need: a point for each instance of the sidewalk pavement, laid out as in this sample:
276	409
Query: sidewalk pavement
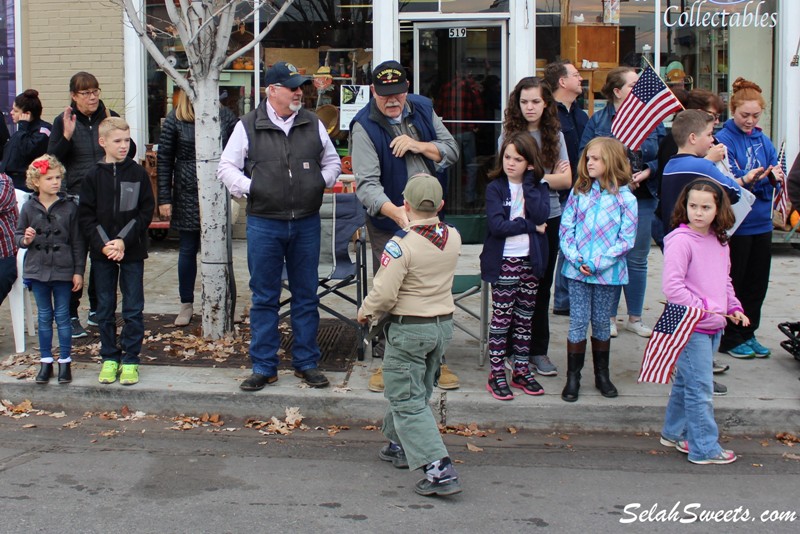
762	394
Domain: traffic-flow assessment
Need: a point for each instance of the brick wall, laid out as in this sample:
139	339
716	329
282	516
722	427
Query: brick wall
62	37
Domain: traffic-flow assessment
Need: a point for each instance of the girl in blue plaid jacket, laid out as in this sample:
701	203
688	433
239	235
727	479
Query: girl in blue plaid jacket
598	227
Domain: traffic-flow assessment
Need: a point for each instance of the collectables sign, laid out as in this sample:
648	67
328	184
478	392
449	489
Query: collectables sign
721	14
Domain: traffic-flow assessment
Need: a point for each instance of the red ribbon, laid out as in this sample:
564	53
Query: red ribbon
42	166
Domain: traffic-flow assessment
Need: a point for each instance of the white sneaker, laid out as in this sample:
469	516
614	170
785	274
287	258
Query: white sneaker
614	332
639	328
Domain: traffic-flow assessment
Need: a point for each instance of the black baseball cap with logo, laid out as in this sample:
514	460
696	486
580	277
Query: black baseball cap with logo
389	78
285	74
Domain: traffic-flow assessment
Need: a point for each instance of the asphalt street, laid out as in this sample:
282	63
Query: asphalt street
123	472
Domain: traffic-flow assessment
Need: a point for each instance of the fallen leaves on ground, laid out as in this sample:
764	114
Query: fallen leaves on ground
473	448
787	438
186	422
293	420
335	429
465	430
370	427
791	456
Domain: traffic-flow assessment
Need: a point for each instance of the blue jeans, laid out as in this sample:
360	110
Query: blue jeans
561	290
187	264
690	411
130	277
52	299
270	243
589	303
637	261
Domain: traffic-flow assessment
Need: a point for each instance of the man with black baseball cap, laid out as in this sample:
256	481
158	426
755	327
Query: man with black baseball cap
396	136
281	157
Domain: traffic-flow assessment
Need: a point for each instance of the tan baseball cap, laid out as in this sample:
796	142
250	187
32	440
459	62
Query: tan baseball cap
423	192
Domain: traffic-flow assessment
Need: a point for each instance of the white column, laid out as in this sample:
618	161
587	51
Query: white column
521	40
385	31
787	80
135	65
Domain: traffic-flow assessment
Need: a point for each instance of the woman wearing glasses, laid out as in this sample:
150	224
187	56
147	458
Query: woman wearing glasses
74	142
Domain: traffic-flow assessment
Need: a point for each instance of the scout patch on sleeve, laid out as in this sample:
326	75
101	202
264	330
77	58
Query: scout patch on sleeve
385	259
393	249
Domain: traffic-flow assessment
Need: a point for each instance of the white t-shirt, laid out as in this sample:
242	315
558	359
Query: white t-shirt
517	245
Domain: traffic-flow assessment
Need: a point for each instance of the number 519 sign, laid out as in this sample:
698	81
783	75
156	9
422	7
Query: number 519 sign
456	33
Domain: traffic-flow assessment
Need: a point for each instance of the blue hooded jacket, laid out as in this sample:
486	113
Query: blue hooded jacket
747	152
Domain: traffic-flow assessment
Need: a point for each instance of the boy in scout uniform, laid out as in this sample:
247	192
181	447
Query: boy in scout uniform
412	293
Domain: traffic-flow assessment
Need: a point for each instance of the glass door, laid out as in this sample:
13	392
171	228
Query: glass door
462	67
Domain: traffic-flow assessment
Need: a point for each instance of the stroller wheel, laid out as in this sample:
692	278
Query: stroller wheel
791	345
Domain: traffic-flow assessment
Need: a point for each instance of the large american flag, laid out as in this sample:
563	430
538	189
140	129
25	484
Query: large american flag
670	335
648	104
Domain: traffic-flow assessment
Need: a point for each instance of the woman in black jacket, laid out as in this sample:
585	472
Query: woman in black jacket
29	141
178	198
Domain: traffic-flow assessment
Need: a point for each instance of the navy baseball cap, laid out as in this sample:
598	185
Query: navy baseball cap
389	78
285	74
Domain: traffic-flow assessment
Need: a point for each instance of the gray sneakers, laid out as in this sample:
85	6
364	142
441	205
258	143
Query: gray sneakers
543	366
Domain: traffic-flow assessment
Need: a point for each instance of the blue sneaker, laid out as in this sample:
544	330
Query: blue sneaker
759	350
742	352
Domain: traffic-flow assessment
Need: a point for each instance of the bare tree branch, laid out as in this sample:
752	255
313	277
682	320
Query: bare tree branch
151	47
257	39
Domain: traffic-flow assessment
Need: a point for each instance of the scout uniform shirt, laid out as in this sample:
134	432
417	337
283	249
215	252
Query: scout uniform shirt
416	273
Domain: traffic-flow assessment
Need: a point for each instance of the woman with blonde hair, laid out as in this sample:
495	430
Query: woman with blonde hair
178	196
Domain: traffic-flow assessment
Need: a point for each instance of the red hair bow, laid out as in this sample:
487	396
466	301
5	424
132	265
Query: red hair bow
42	166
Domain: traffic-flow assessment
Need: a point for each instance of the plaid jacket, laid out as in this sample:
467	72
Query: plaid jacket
598	228
8	217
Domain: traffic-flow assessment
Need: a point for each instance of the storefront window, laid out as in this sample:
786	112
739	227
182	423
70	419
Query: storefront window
702	44
336	34
8	69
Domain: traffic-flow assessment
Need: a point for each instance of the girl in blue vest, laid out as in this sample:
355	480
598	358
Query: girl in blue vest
513	259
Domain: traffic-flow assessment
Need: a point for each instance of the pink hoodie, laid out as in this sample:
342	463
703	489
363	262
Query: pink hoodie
697	273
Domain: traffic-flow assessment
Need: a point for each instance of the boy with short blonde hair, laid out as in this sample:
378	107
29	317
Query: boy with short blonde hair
115	211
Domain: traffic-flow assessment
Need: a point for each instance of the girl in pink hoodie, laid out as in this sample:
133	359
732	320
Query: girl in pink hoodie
697	273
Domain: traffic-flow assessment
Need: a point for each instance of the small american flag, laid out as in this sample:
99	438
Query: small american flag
781	203
649	103
670	335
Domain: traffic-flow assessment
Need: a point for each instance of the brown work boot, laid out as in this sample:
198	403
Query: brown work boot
447	379
376	381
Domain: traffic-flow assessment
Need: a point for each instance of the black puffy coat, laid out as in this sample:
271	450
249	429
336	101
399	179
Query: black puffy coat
177	169
28	143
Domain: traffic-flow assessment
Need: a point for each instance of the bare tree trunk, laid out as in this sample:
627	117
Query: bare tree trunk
215	268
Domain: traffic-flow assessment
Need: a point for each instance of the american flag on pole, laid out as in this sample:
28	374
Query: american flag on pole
781	203
648	104
670	335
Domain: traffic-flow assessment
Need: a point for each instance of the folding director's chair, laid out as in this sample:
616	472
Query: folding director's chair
343	220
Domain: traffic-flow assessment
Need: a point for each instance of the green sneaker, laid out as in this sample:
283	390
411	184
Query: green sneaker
109	372
129	375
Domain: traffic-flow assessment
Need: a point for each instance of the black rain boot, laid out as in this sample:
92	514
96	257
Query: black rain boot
576	354
64	373
45	372
600	355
